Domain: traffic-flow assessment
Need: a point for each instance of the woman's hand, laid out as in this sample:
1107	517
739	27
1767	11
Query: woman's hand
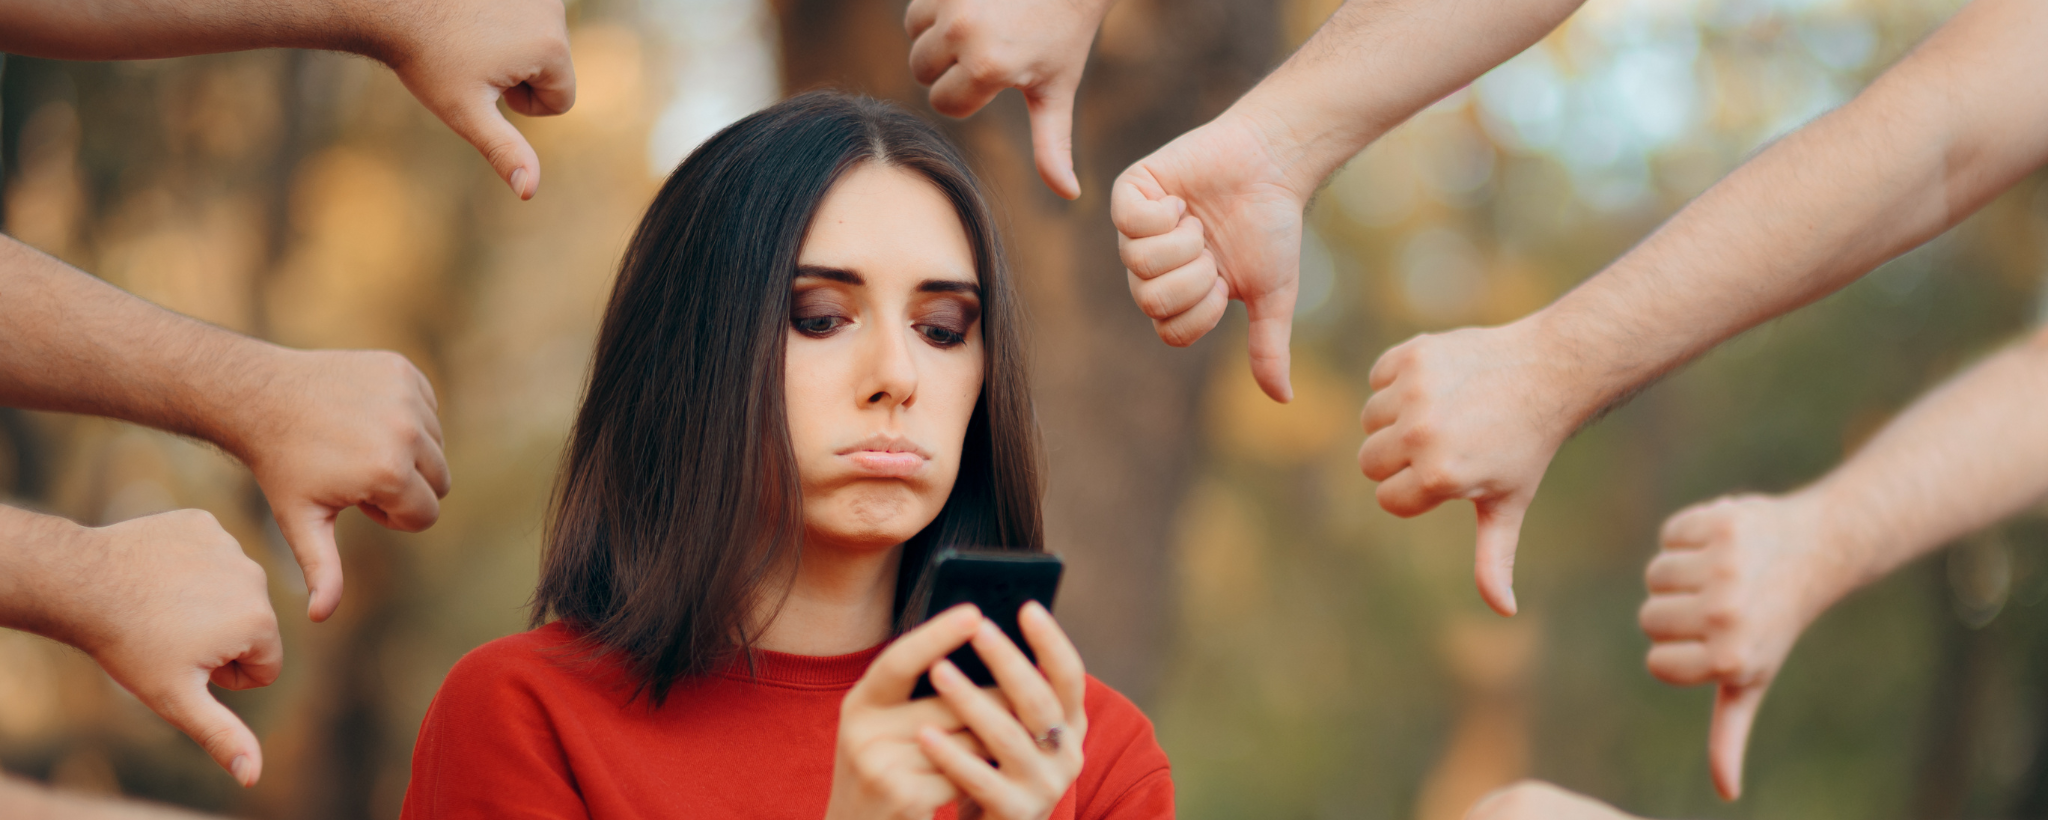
1033	727
881	769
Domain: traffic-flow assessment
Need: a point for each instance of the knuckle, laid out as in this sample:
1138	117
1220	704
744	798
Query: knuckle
960	30
1438	481
1420	434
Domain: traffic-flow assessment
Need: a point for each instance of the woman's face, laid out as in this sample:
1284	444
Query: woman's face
885	362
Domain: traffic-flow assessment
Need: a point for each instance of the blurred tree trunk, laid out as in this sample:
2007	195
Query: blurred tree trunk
1120	409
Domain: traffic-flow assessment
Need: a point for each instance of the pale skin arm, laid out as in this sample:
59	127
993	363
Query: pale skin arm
1537	800
165	603
1477	414
1216	215
322	430
1740	578
457	56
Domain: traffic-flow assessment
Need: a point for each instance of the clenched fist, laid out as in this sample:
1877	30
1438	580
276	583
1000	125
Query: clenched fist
165	603
330	430
1473	414
1736	582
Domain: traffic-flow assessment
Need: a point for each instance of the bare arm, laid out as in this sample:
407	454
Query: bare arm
1740	578
1478	413
457	56
322	430
1216	215
1930	142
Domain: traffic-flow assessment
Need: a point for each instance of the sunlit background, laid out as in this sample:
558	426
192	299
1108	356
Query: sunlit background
1304	654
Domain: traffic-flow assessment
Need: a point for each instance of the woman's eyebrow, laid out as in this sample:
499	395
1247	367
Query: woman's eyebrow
840	275
949	286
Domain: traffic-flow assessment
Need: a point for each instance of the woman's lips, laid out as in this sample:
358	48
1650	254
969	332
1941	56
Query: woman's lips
887	465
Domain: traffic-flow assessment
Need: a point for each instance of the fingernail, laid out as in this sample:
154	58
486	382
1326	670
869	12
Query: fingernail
519	182
988	629
239	767
944	673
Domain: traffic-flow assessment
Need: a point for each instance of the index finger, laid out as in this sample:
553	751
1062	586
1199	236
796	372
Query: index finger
1140	208
890	678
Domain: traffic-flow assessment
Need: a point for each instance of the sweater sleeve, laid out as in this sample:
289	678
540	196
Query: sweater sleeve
489	747
1125	775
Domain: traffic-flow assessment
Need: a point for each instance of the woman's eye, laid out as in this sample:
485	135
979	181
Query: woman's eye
943	337
817	325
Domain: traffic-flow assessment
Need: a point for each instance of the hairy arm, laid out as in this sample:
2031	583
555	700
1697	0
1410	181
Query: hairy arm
1930	142
74	344
108	29
1964	456
1478	413
457	56
323	431
1738	579
1216	215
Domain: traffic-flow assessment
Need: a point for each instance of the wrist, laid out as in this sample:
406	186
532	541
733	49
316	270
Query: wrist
1305	134
1836	548
1567	388
238	405
48	567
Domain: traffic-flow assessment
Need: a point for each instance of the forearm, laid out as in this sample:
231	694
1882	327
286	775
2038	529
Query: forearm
1964	456
146	29
72	343
1930	142
1375	63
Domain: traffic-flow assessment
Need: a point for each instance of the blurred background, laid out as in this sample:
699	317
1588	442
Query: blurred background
1304	654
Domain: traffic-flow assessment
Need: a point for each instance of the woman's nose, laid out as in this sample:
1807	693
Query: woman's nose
891	373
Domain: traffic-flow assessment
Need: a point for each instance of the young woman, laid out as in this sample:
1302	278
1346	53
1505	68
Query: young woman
809	376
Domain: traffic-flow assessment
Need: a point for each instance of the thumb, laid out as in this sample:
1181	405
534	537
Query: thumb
1272	324
1052	138
309	529
192	709
1500	527
1735	708
478	120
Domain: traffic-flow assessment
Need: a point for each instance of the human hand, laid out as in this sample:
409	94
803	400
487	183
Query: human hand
460	56
1214	216
879	767
968	51
166	603
1736	582
1537	800
1034	722
1473	414
329	430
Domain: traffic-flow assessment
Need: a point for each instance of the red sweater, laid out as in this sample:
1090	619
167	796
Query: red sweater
523	729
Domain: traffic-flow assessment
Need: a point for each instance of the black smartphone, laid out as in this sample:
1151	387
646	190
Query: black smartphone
997	582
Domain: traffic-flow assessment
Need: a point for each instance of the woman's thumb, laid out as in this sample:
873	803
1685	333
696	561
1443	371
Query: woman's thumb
192	708
1735	709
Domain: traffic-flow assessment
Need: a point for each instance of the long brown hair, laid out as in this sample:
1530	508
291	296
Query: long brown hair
678	494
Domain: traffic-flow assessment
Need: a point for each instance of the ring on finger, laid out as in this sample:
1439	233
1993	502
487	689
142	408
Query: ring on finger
1050	741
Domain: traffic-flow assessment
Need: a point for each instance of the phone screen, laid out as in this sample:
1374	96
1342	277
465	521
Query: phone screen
997	582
